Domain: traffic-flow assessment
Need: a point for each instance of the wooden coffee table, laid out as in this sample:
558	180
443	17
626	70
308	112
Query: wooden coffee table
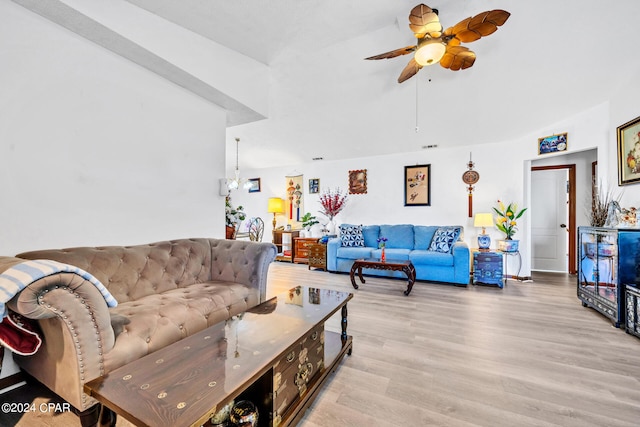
277	355
404	266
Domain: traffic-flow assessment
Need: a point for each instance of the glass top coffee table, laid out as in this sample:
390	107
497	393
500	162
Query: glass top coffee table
242	358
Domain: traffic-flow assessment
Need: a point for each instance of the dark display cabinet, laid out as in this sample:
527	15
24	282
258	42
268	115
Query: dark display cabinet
608	259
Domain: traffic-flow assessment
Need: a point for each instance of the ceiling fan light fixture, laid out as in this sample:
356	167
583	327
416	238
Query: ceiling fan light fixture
430	52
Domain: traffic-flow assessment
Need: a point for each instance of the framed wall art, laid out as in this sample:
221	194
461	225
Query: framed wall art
552	144
255	185
417	185
358	181
314	185
629	152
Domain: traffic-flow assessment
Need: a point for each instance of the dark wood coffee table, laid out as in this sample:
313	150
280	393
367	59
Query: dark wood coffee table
277	355
404	266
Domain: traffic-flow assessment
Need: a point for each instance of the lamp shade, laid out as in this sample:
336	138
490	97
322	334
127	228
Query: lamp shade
276	205
483	220
430	52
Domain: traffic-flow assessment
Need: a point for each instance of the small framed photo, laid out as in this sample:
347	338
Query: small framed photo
314	185
358	181
417	185
629	152
552	144
254	185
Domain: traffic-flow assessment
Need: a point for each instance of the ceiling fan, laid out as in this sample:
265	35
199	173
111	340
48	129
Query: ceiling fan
435	46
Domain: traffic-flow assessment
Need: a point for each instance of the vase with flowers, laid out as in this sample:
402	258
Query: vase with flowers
382	243
233	216
332	201
507	222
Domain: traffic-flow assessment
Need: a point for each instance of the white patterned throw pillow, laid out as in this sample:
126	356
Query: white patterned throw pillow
351	235
444	238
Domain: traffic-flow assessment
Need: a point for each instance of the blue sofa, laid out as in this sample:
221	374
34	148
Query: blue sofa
433	260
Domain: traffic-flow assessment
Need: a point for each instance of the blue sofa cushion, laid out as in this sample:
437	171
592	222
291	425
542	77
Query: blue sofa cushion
392	254
399	236
423	257
444	238
371	234
354	252
351	235
423	234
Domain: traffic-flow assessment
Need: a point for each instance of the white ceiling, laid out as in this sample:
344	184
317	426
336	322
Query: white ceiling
549	61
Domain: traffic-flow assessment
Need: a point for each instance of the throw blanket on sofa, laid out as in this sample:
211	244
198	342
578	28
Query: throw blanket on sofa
15	334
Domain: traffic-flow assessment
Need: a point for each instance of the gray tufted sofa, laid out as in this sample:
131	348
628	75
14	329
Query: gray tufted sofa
165	291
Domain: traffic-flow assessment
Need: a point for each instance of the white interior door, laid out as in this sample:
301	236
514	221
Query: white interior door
549	220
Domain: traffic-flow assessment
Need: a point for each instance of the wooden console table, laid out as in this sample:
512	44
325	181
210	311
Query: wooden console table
404	266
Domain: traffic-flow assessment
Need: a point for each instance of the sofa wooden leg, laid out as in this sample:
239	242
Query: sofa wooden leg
97	416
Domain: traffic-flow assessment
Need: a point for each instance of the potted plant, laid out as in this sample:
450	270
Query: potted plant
233	216
332	201
507	223
308	221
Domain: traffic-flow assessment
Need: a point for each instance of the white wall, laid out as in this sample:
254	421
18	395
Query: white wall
504	169
96	150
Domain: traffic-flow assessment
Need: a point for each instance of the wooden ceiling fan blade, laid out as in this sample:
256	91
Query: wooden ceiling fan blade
393	53
457	58
423	20
409	71
481	25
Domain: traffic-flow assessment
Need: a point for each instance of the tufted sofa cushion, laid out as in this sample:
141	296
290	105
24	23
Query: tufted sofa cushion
158	320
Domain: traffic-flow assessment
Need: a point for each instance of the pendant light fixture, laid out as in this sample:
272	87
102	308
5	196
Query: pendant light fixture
235	182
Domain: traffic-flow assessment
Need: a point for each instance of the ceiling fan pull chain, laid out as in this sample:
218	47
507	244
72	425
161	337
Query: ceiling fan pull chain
417	127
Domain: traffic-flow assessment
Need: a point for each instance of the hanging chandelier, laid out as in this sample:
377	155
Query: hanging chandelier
236	182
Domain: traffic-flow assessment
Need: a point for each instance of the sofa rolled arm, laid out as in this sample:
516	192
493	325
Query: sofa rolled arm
461	264
242	261
332	253
76	330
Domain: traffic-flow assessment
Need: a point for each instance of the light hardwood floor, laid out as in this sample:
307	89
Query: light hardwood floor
525	355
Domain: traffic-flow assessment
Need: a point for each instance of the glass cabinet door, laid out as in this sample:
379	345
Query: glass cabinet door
598	269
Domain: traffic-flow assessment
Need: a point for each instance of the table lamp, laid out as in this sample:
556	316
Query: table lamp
276	206
483	220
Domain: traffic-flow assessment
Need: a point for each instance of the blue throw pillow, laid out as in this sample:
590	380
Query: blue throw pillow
351	235
444	238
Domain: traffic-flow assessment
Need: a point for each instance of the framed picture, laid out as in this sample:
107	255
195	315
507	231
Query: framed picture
358	181
255	185
314	185
552	144
629	152
417	185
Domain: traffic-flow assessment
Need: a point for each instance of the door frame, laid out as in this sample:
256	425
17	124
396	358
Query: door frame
572	210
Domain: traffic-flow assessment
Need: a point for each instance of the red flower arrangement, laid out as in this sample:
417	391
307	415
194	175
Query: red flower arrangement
332	202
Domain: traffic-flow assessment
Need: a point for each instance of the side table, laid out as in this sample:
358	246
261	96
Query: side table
318	255
487	268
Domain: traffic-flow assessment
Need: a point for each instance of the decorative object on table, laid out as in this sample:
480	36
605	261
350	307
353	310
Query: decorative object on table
628	218
483	220
254	185
308	221
332	201
604	207
314	185
629	152
244	414
470	177
434	45
417	185
221	418
294	197
552	144
233	217
275	206
382	243
236	182
358	181
507	223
